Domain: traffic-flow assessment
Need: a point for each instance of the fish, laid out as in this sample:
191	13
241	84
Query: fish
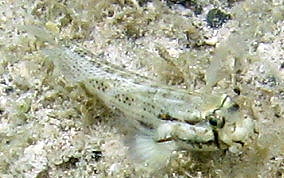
167	118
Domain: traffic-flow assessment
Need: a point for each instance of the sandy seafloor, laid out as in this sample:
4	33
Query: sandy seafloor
51	128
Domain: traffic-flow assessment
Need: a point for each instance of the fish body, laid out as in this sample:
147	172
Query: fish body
171	118
135	95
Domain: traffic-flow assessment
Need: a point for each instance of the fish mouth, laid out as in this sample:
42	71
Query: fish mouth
193	145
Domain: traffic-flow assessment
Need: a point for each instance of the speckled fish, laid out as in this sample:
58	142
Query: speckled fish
169	118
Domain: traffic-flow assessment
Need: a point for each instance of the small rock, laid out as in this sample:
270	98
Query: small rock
216	18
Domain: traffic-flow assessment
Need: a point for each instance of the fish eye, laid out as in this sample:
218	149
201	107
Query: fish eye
215	121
